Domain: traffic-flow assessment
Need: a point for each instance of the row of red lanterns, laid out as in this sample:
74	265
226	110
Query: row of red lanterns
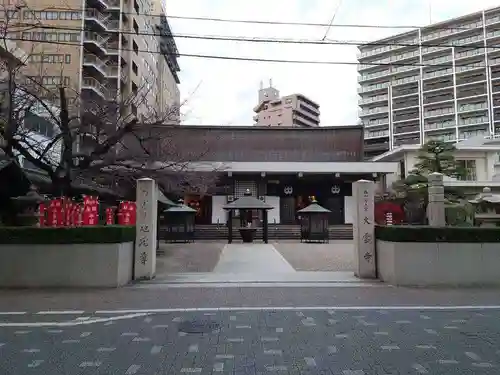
64	212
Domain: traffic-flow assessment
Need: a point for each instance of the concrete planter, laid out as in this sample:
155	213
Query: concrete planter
438	264
66	265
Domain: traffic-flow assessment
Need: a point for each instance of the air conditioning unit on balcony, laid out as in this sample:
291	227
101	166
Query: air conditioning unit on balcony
230	198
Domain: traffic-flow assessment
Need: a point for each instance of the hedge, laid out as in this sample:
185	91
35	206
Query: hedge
410	233
79	235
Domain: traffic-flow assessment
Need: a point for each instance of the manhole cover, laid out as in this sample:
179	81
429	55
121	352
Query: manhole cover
198	326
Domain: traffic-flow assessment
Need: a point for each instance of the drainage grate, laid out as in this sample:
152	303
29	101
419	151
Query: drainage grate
198	326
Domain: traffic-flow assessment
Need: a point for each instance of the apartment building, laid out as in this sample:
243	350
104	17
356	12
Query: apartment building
292	110
441	81
108	52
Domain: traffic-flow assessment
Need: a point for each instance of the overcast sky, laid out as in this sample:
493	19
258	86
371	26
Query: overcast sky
224	92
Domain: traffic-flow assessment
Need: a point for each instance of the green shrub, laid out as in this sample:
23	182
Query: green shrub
79	235
410	233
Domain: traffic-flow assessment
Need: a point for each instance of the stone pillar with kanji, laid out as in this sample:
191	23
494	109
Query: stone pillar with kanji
363	192
436	208
146	229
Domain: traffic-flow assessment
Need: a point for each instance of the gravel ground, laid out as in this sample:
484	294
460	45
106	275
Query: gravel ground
190	257
333	256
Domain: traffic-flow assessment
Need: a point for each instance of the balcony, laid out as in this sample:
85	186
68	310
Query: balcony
103	42
107	69
373	111
93	84
104	20
374	99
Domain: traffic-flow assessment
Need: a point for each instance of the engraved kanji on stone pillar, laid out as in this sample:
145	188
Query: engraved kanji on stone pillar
363	192
435	208
145	243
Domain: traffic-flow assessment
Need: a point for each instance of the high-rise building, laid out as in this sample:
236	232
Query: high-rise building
109	51
441	81
291	110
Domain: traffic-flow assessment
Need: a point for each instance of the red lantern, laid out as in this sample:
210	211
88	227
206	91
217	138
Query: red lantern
110	216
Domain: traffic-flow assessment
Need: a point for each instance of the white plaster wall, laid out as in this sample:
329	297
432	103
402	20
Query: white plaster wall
438	264
219	215
274	214
349	207
82	265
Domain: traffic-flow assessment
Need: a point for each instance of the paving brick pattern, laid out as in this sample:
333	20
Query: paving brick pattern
358	342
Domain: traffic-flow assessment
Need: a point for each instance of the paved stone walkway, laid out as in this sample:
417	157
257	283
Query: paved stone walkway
251	259
246	342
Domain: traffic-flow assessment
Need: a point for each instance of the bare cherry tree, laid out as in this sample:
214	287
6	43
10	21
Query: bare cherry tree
88	138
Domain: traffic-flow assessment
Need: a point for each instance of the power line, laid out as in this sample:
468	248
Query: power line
251	59
274	22
278	40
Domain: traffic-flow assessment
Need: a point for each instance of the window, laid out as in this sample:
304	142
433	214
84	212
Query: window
288	101
67	59
470	169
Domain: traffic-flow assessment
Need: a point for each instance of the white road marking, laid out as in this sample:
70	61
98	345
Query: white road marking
341	336
276	368
218	367
353	372
63	312
425	317
279	330
160	326
70	341
31	351
191	370
419	368
156	349
13	312
106	350
148	319
72	323
141	339
243	327
82	318
21	332
310	361
193	348
132	369
54	331
483	365
129	334
292	308
473	356
332	349
389	347
269	339
430	331
236	339
35	363
90	364
85	334
381	333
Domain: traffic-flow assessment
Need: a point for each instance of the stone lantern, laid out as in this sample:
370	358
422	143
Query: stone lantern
180	223
27	207
486	206
314	223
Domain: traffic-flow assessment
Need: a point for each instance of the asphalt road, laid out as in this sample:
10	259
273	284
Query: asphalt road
344	341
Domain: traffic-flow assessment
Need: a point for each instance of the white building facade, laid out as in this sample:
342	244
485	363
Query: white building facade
480	156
